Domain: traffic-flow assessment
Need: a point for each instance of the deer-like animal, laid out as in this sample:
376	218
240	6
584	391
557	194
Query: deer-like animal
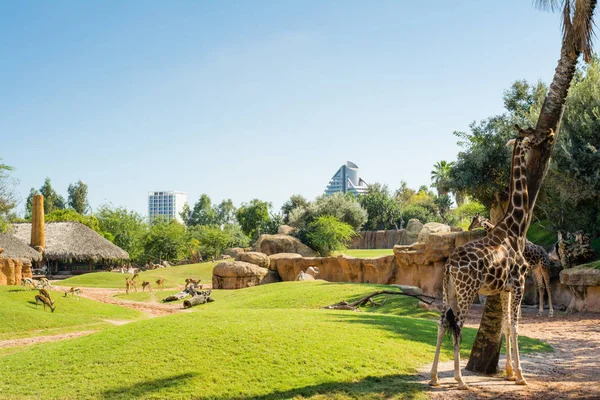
43	283
146	284
160	283
45	293
192	281
74	291
130	283
136	275
46	301
28	282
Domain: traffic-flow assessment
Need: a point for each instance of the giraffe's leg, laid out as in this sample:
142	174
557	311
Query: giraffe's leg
546	276
537	272
506	311
442	327
464	301
514	332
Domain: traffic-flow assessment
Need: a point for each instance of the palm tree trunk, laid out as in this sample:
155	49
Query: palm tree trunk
486	348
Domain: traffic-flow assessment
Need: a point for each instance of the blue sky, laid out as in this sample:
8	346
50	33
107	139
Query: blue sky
252	99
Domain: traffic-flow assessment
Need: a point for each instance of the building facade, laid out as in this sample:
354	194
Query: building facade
346	180
168	204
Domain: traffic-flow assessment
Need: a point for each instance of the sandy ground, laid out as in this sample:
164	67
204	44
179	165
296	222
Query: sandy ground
572	371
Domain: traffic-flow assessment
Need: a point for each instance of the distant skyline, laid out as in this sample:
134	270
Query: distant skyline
260	99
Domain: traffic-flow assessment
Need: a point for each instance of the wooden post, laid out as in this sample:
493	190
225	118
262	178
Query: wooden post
38	235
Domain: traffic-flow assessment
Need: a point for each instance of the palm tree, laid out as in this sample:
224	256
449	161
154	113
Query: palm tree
577	29
440	177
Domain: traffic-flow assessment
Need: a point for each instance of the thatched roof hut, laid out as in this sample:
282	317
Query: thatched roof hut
72	241
18	249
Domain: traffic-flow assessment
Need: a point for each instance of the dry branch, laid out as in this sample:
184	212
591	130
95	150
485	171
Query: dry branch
344	305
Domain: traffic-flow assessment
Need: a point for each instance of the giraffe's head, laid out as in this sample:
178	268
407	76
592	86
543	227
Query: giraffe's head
476	222
530	137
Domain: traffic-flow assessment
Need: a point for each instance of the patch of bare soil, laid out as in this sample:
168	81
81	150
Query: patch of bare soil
42	339
572	371
153	309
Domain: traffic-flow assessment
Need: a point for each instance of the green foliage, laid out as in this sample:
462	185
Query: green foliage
211	239
203	213
165	241
383	210
422	206
467	210
186	214
327	234
294	202
254	218
440	177
68	214
225	212
344	207
540	233
7	197
77	198
52	200
124	228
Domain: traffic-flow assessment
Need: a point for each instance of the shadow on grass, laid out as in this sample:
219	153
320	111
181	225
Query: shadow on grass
385	387
150	386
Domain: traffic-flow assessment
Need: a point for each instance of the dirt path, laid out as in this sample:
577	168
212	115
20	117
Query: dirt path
572	371
42	339
154	309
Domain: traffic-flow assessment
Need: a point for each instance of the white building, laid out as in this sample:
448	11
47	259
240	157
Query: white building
346	180
166	203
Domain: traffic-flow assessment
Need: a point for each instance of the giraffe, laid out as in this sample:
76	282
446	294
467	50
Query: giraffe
491	265
537	258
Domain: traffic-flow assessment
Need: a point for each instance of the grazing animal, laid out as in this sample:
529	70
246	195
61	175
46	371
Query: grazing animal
74	291
43	283
130	283
46	301
492	265
46	293
537	258
136	275
146	284
28	282
160	283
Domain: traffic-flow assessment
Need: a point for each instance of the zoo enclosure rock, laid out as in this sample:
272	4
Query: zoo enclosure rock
237	275
12	270
584	284
256	258
273	244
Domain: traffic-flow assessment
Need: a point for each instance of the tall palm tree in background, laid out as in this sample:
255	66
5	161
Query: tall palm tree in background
440	177
577	27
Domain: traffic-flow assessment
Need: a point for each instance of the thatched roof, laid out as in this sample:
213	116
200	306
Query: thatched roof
72	240
15	248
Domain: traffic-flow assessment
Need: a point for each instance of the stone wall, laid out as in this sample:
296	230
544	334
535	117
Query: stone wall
584	285
12	270
382	239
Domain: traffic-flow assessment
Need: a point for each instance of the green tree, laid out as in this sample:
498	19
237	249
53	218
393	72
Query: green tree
212	240
327	234
254	217
440	177
186	214
52	200
294	202
165	241
203	213
225	212
403	194
68	215
77	198
127	229
237	236
7	196
383	210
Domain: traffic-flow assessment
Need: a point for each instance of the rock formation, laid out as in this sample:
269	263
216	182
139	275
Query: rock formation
256	258
237	275
584	284
273	244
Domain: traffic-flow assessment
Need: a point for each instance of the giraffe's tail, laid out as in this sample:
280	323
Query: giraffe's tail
448	317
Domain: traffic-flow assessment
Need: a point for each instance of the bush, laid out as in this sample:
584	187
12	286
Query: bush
327	234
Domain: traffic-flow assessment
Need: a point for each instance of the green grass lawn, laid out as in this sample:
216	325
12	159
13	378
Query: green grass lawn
540	233
146	296
367	253
266	342
173	276
20	318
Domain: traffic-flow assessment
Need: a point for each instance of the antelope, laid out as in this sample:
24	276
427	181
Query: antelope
46	301
74	291
129	283
45	293
43	283
136	275
160	283
29	282
145	285
191	281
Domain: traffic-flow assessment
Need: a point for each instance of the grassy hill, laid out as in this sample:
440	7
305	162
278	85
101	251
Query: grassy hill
21	319
173	276
266	342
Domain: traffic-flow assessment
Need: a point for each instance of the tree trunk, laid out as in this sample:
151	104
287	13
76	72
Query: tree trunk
486	347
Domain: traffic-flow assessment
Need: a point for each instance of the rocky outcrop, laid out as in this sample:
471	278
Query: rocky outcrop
237	275
256	258
285	230
413	228
234	252
273	244
11	271
584	284
432	227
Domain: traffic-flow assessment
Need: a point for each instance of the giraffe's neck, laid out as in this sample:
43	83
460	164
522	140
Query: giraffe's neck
515	220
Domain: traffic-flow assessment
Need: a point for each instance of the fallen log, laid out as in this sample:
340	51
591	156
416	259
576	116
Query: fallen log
196	300
176	296
344	305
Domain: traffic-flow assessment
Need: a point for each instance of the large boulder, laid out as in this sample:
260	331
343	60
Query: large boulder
584	285
237	275
274	258
273	244
413	228
234	252
11	271
256	258
432	227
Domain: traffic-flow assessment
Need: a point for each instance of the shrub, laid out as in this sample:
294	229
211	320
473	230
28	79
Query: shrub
327	234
